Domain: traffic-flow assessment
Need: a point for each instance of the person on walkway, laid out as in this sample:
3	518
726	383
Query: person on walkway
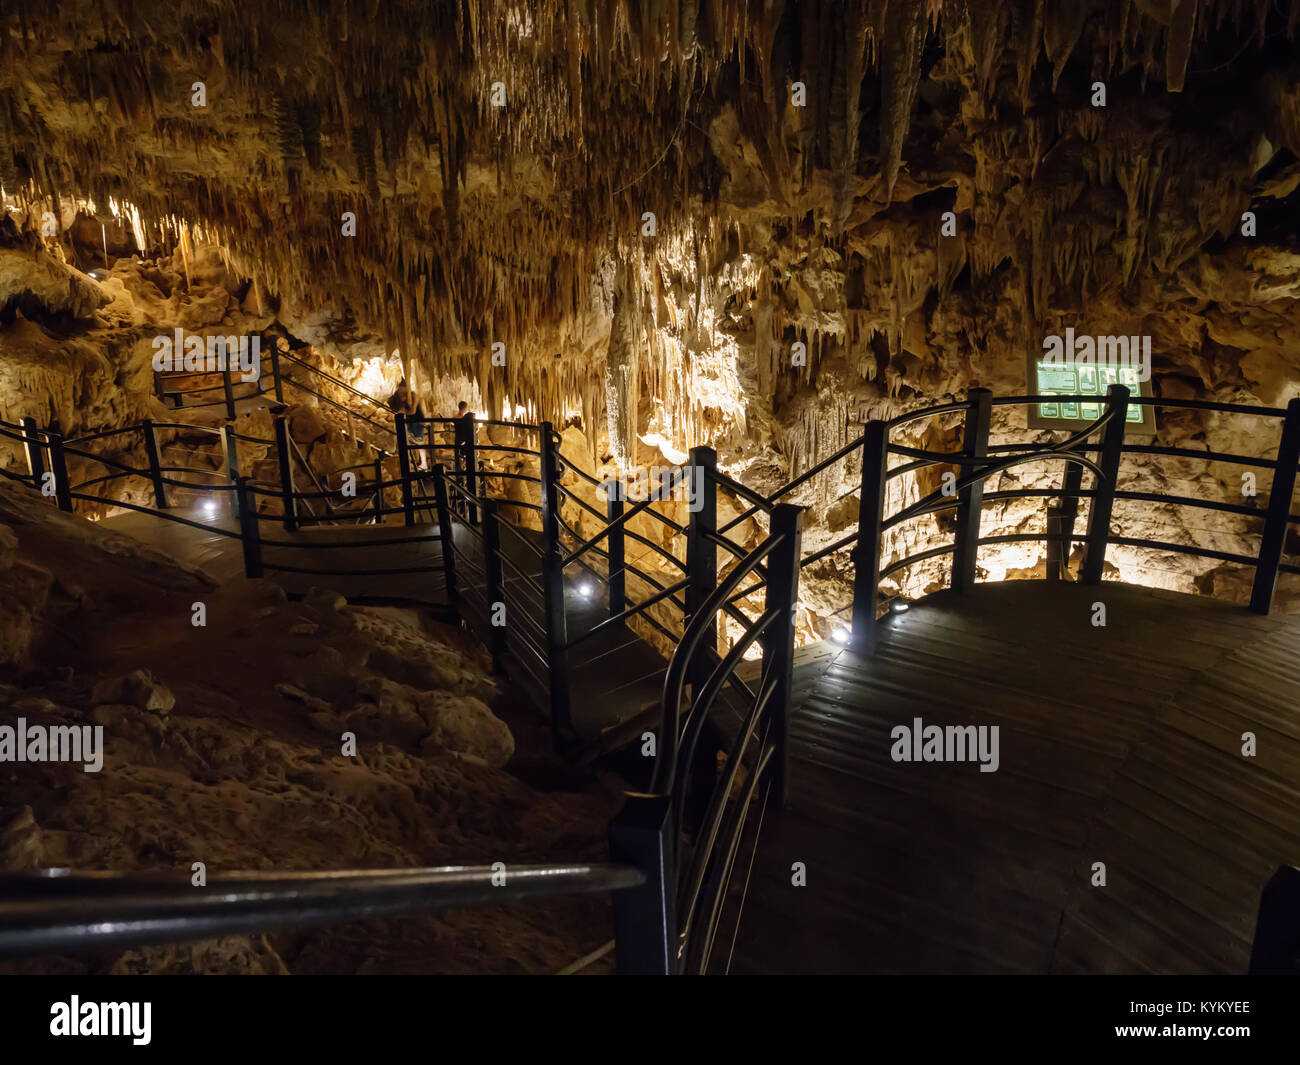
417	432
400	401
464	433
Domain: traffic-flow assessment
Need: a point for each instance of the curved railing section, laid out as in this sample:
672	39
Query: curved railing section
1096	452
691	858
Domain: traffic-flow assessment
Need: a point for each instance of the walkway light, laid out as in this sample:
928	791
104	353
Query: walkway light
840	635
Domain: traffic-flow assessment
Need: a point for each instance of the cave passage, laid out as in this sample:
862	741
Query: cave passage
801	488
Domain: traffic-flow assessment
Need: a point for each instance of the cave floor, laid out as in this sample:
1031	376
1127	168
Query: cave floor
615	676
1120	744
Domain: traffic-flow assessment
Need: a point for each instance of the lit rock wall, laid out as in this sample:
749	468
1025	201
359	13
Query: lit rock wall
749	229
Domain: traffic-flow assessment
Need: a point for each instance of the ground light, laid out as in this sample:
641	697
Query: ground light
585	590
899	606
840	635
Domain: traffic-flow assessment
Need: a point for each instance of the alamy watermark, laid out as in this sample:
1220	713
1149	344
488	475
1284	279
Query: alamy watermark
951	743
53	743
195	354
79	1018
1131	353
659	484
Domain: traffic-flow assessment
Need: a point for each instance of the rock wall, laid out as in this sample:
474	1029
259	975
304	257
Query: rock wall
745	228
228	744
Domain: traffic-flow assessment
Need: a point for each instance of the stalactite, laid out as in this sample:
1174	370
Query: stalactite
309	125
854	68
902	36
288	136
620	383
1178	48
364	153
1063	22
8	165
491	223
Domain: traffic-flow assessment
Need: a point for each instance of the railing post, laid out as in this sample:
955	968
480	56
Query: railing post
466	430
286	472
1060	524
404	469
1055	563
230	452
248	528
230	458
275	371
645	919
446	532
1276	949
970	508
379	492
59	467
229	393
557	632
778	642
1279	510
155	466
702	558
35	451
1103	501
458	465
866	555
495	591
617	579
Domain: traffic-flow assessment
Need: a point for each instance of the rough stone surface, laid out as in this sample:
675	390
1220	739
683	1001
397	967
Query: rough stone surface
225	745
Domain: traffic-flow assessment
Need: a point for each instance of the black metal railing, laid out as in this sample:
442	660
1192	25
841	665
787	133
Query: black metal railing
507	508
1276	947
1099	450
518	545
59	911
272	375
671	923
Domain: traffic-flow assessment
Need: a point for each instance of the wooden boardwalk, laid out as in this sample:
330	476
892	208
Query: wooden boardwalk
1120	745
221	557
613	677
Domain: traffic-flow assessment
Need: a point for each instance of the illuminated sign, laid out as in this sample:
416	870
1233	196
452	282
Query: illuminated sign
1054	378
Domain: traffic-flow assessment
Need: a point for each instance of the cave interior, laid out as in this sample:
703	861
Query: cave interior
815	476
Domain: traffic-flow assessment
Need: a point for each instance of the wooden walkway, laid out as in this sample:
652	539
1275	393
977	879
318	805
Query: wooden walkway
221	557
615	677
1120	745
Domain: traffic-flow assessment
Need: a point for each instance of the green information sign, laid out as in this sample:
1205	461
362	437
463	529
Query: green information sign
1048	379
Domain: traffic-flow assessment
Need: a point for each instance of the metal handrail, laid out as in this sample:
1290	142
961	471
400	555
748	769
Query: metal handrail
807	475
940	499
623	518
665	768
336	382
702	702
630	612
59	910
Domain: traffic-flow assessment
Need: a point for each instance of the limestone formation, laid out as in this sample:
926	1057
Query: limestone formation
659	226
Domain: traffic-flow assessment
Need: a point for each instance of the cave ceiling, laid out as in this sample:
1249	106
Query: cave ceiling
501	160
